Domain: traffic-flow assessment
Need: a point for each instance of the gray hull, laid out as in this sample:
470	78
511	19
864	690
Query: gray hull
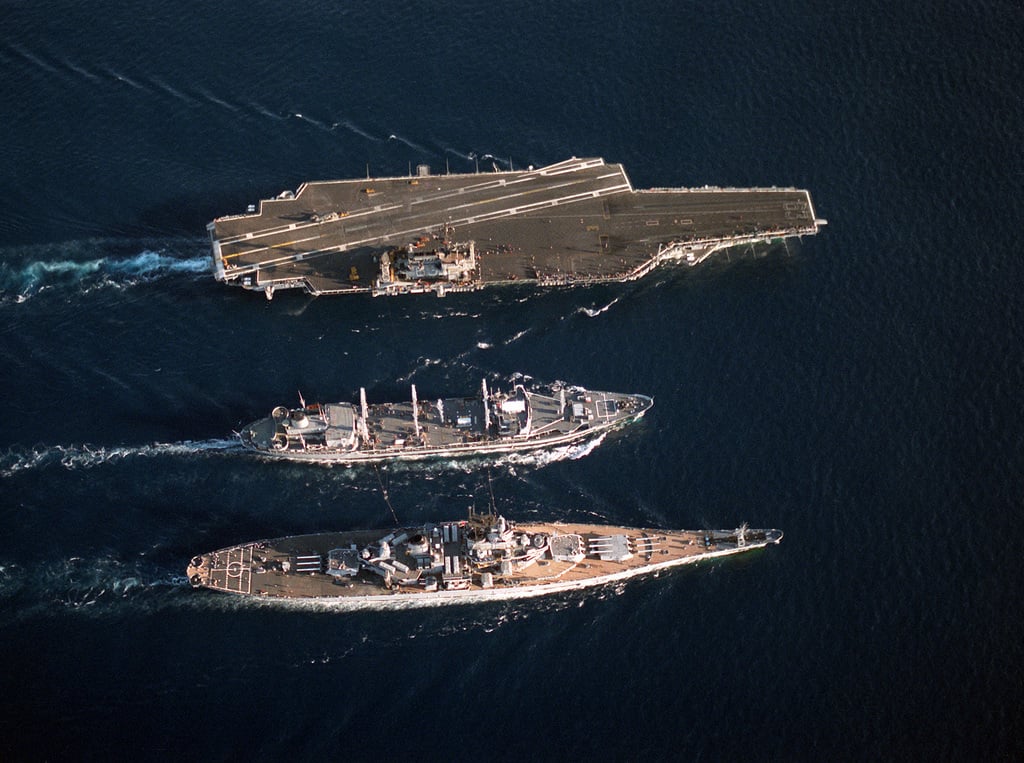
523	421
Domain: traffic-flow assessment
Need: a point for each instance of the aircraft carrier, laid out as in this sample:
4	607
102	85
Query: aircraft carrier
484	557
576	222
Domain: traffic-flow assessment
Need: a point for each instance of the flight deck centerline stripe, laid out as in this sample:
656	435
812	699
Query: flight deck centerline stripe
399	234
341	219
298	226
503	198
532	191
462	190
502	182
271	246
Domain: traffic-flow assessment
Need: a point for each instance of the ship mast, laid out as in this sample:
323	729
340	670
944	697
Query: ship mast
363	426
487	411
415	412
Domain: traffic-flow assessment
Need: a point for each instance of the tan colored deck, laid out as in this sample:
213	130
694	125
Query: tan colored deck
227	570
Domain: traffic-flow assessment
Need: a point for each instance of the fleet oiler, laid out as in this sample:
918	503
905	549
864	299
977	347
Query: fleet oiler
521	420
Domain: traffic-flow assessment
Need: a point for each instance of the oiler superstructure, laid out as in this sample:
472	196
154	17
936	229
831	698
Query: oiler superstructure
523	419
483	557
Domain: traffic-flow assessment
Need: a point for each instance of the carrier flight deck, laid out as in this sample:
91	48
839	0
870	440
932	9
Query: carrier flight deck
576	222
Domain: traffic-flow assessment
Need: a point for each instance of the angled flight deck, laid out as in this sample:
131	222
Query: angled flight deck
576	222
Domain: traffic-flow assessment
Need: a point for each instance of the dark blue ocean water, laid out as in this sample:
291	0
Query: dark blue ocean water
861	390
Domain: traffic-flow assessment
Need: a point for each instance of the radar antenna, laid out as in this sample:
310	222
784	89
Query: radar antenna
741	535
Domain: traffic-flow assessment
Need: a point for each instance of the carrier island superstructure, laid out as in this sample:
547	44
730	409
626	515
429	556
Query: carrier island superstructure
576	222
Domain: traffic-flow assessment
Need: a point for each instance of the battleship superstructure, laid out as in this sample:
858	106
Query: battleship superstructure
484	557
492	422
575	222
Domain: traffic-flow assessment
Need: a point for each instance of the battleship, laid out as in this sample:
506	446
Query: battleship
481	558
576	222
492	422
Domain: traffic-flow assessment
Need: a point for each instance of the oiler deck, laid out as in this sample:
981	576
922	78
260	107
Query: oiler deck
576	222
